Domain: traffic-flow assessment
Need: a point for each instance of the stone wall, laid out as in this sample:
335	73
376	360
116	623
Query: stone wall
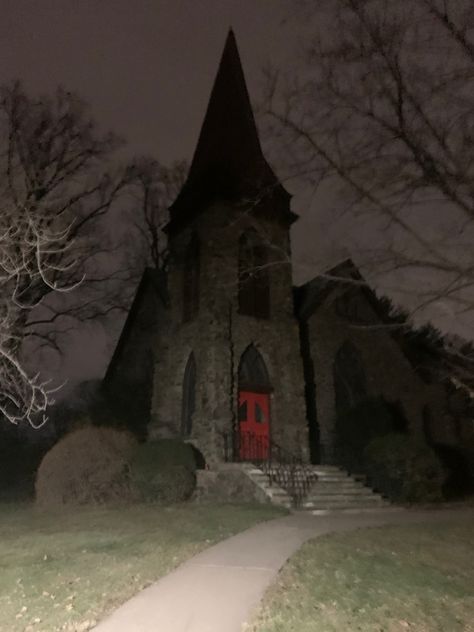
219	335
227	483
389	373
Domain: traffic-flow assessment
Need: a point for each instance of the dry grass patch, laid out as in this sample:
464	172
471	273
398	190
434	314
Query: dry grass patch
65	570
390	579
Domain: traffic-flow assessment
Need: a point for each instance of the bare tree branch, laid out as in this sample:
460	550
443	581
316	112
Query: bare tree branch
383	108
57	186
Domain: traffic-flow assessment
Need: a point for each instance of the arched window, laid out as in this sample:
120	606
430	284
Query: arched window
189	397
254	282
349	377
253	374
191	280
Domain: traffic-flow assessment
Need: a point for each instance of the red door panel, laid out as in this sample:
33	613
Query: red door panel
254	425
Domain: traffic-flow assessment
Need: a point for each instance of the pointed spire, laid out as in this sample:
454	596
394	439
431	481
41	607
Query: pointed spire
229	132
228	162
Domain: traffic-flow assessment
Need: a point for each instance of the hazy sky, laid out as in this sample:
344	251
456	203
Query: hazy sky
146	67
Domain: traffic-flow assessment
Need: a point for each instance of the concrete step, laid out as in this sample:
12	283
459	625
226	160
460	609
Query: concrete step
335	479
338	481
297	473
317	490
353	498
366	500
355	511
344	505
341	495
336	489
328	472
330	489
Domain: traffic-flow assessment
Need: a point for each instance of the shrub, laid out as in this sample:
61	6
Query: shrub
89	465
404	470
459	480
358	426
164	471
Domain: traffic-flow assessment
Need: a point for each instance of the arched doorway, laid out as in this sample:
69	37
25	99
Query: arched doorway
253	407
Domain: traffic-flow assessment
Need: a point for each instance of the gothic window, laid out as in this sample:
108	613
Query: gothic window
253	374
349	377
189	397
191	280
260	416
254	282
243	413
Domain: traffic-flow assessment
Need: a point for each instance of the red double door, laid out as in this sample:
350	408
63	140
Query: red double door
254	426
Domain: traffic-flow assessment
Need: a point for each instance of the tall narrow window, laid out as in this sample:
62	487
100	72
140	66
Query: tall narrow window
350	382
253	374
254	282
191	280
189	397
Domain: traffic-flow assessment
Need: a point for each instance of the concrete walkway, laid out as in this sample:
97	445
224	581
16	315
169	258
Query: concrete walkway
218	590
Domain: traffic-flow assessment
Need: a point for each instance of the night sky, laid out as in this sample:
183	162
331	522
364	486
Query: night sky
146	68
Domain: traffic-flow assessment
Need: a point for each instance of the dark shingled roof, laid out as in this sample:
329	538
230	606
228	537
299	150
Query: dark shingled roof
228	163
311	295
152	281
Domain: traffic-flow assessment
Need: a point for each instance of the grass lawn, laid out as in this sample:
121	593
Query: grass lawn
60	570
389	579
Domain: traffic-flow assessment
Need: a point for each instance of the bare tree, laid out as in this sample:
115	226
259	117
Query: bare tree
383	108
29	254
154	188
57	186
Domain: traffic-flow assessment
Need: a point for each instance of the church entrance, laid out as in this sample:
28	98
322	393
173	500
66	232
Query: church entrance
253	432
254	426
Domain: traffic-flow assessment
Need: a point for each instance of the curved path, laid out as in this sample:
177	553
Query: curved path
217	590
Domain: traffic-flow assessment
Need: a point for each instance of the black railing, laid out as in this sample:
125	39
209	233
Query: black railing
282	468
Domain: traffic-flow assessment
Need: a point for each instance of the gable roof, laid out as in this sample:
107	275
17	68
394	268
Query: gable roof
421	353
311	295
154	282
228	162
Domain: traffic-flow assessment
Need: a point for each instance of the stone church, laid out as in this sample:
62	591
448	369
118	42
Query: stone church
223	351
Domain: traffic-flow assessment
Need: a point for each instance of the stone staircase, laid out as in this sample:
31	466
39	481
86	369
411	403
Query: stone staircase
331	489
335	490
273	492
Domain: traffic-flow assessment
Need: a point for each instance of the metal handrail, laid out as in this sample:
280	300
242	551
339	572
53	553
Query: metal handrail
281	466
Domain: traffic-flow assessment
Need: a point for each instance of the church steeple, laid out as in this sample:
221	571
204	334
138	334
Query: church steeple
228	162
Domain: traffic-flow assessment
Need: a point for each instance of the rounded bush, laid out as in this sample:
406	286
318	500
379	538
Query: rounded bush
163	471
89	465
358	426
404	470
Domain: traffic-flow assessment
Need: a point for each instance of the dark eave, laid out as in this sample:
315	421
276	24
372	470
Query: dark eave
313	294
